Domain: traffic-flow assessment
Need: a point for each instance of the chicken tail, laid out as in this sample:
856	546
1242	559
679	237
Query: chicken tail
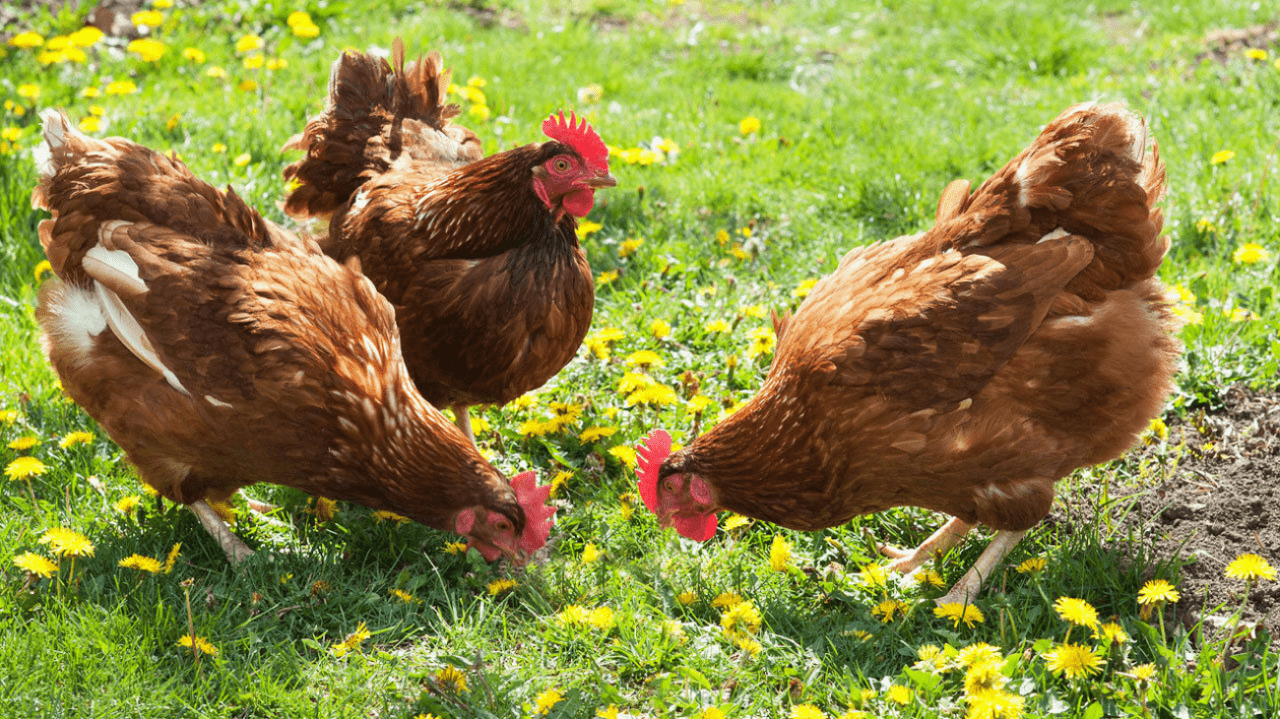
379	115
1094	172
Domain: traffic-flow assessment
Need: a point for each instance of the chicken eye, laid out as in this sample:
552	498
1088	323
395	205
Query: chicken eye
503	525
669	484
560	164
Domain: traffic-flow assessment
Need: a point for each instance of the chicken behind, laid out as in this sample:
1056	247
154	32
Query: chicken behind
479	255
219	350
964	369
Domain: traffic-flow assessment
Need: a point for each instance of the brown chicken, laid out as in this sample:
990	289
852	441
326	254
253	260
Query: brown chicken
964	369
219	350
479	255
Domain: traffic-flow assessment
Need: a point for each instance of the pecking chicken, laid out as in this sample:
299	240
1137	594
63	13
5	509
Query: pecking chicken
219	350
479	255
964	369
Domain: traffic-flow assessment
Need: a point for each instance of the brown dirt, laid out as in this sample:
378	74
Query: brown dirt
1221	500
1222	45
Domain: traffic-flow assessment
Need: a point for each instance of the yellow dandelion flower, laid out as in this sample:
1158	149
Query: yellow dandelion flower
686	598
24	443
12	134
657	394
27	40
1250	568
29	91
930	577
305	30
995	705
1250	253
888	610
747	644
984	677
405	597
741	617
1254	53
1112	632
601	618
498	586
900	695
609	712
253	62
606	277
720	326
629	247
480	112
591	434
36	564
779	554
574	615
1157	591
591	553
1075	660
194	54
727	600
545	701
127	504
74	438
25	468
141	563
1076	611
172	558
956	612
979	653
749	125
1143	672
625	454
645	358
383	515
216	73
451	676
298	17
91	124
8	416
149	18
455	547
1034	565
586	227
147	49
803	289
249	43
197	644
735	521
352	642
242	159
535	428
1221	156
247	86
121	87
874	575
660	328
762	342
807	711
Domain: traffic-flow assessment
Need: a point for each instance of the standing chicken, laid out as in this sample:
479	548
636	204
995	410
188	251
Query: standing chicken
964	369
219	350
479	255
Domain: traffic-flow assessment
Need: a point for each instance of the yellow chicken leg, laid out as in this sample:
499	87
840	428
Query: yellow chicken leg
971	583
907	561
235	548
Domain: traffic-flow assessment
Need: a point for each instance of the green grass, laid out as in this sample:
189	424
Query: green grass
866	111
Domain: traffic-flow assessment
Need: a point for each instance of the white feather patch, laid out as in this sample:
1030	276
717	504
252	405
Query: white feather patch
131	334
77	319
113	267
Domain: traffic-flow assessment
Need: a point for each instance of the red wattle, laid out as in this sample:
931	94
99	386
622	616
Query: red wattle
699	529
579	202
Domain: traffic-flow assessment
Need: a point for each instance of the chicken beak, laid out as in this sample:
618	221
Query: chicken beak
605	180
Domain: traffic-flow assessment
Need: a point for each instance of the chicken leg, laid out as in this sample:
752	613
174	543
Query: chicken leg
971	583
463	420
235	548
945	538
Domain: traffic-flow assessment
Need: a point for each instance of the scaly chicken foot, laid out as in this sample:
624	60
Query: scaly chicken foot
970	584
237	551
907	561
463	419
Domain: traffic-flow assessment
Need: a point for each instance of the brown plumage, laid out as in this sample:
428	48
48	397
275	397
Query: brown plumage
967	368
219	350
480	256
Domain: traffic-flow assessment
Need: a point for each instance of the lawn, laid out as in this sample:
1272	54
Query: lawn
757	142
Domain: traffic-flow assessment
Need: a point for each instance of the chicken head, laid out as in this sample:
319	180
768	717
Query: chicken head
567	182
681	500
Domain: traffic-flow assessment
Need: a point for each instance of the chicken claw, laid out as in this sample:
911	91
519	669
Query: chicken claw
907	561
971	583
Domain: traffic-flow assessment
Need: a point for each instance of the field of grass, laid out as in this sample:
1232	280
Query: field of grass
758	142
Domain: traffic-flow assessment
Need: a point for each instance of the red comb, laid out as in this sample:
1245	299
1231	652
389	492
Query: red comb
649	456
656	447
538	515
580	136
